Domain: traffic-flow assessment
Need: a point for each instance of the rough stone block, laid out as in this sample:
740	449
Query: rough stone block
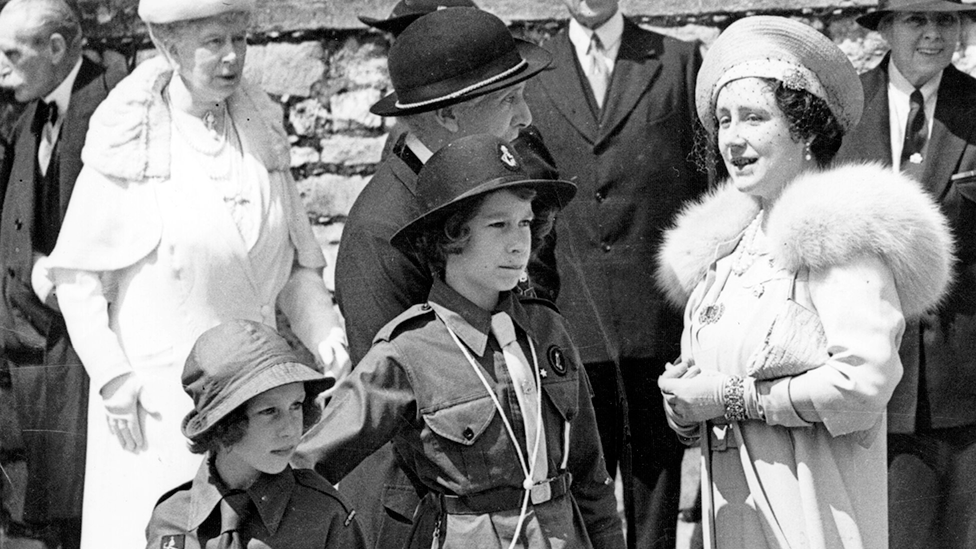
303	155
330	195
350	110
328	237
308	117
356	151
285	69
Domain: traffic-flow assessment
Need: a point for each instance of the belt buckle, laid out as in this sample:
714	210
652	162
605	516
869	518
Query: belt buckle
541	492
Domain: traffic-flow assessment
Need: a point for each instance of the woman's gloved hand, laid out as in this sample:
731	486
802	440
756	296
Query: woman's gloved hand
121	397
334	354
691	395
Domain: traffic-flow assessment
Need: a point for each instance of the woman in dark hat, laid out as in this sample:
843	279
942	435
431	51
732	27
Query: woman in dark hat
185	215
796	277
482	393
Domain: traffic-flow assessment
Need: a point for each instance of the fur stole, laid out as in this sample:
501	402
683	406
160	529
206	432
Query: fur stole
822	218
129	133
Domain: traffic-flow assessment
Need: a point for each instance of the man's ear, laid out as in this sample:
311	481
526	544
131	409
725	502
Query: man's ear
447	117
59	48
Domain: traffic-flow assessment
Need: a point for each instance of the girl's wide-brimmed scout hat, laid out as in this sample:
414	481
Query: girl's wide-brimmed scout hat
471	166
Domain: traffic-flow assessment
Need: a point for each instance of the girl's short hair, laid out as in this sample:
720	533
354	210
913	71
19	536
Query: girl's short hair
231	428
448	233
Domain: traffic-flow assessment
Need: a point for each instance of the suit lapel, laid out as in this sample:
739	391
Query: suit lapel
636	67
565	87
951	130
873	134
86	94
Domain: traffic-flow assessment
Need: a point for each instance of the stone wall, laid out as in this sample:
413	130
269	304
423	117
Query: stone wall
325	69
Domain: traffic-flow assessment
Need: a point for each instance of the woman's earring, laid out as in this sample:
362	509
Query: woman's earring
524	277
808	154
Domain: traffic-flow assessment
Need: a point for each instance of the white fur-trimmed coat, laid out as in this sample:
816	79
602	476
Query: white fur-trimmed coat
822	218
819	483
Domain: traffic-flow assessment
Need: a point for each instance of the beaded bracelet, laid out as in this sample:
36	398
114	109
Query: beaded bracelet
735	405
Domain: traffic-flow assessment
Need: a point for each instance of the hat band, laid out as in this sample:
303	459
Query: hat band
458	93
792	75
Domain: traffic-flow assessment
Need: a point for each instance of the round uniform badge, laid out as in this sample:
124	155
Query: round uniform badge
557	360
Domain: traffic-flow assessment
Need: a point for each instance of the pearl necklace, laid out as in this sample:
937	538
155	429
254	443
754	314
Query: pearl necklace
746	252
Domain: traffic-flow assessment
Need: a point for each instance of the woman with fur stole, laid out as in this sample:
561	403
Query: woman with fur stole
796	278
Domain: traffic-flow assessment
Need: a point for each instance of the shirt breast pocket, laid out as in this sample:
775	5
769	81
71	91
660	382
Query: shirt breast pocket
467	443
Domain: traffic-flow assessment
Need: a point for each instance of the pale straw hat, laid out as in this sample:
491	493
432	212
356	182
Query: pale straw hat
170	11
765	46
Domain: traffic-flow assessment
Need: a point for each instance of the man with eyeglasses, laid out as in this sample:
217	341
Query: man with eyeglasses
920	118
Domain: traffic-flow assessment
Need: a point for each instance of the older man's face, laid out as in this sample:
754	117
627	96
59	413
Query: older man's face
27	64
591	13
922	43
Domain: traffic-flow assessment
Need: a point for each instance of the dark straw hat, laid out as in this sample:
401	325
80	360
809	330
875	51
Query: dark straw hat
453	55
871	20
470	166
236	361
407	11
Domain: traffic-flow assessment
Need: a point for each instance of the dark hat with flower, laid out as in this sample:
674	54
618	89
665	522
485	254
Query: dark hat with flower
408	11
236	361
453	55
468	167
794	53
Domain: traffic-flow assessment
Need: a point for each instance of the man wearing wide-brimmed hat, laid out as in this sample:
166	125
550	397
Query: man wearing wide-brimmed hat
919	118
455	72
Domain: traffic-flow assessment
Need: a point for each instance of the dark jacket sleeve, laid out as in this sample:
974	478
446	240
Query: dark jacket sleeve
593	488
366	411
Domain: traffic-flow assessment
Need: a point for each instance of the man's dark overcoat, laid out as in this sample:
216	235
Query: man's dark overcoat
947	339
633	161
49	382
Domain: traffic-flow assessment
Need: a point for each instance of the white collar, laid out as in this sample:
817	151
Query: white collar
610	33
62	94
900	83
422	151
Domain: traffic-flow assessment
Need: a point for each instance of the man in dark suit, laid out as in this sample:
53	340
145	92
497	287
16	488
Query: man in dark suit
455	72
617	111
920	117
42	62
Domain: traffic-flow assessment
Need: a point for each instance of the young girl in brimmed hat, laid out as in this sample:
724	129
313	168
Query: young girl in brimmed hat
480	391
253	398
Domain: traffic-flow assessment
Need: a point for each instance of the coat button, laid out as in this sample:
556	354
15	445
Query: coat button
425	307
267	311
606	247
18	224
468	433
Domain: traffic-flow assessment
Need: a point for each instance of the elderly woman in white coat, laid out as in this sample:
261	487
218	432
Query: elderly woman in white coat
796	278
185	216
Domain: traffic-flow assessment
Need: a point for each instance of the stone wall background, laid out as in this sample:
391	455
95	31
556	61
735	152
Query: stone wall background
325	69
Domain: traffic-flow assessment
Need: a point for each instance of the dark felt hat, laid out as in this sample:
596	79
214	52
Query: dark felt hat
453	55
407	11
236	361
871	20
470	166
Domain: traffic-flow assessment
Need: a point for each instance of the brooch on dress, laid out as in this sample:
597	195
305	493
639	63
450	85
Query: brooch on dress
711	313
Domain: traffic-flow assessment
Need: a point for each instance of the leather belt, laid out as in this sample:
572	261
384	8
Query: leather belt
506	499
